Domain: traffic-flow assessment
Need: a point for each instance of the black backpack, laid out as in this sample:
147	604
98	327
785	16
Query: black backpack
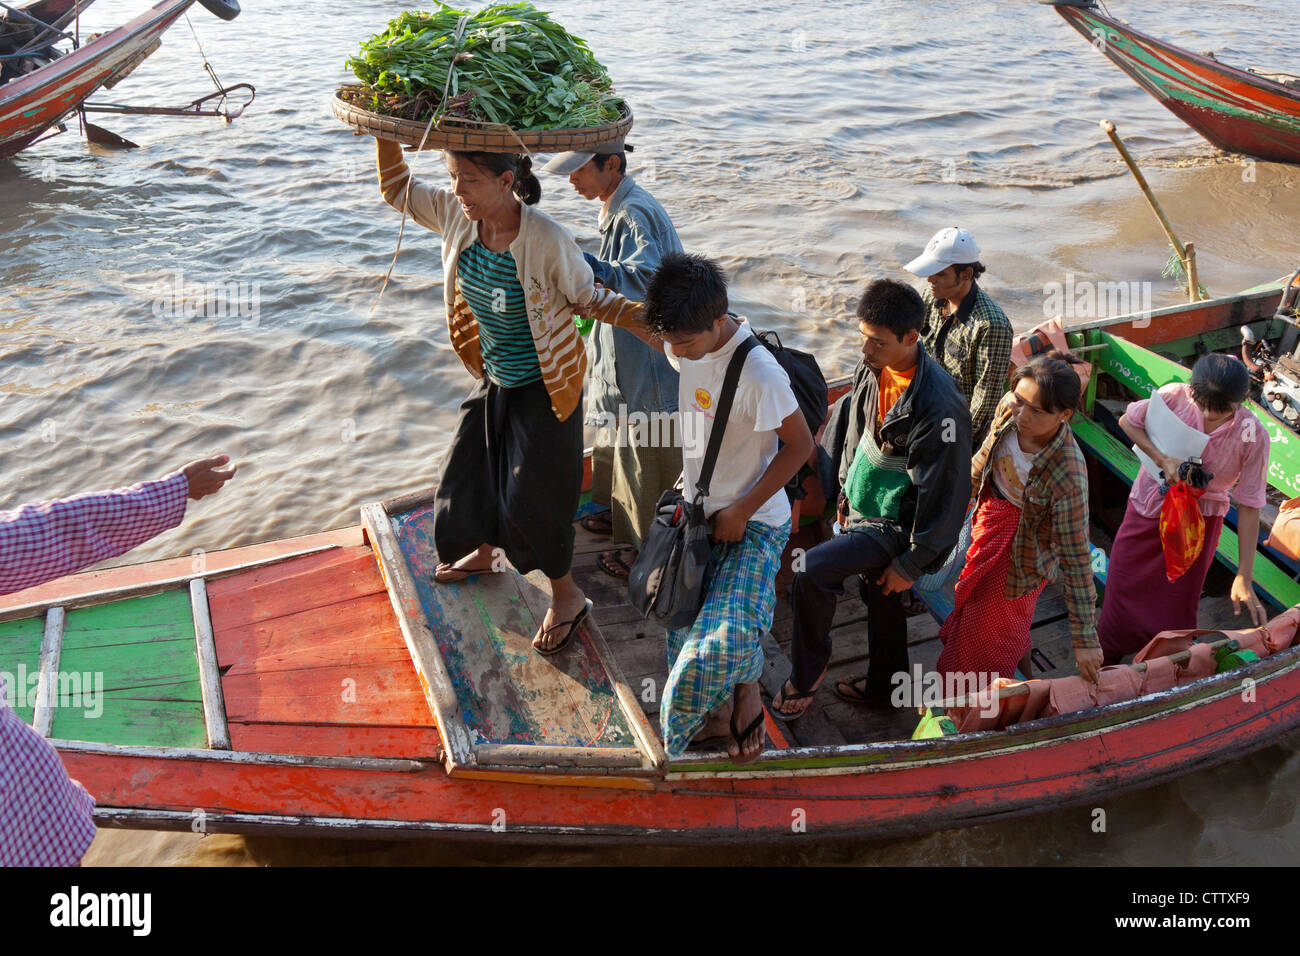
810	391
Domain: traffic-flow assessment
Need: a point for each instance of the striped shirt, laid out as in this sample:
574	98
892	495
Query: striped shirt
489	281
556	278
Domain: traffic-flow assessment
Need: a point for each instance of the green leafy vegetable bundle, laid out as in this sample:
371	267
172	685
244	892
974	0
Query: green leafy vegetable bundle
514	65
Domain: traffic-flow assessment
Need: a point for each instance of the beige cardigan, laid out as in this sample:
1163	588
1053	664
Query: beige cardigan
556	280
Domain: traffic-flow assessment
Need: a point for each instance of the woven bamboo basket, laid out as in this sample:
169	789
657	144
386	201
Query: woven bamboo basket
451	133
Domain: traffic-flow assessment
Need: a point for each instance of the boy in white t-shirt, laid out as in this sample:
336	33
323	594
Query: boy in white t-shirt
714	665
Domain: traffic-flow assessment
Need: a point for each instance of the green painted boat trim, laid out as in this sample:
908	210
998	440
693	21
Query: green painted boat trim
20	661
1183	86
135	666
1271	580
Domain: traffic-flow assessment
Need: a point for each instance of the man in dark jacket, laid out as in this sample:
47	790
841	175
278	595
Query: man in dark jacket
900	449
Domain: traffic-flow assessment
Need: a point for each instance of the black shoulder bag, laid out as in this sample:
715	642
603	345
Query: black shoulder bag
670	577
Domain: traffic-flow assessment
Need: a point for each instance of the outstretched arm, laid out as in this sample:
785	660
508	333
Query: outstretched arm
40	542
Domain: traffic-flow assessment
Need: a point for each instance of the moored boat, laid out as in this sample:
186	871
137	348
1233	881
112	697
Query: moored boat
57	84
1240	111
322	684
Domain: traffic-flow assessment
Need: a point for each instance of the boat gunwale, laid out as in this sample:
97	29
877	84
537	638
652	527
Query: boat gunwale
841	759
1075	16
70	64
596	834
1113	716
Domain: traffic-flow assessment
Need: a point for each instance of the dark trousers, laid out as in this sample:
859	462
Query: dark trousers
511	479
813	597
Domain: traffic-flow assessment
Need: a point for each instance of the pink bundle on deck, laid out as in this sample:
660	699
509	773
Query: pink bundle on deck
1069	695
1182	529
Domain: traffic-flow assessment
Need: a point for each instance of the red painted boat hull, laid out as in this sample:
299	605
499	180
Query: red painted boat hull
916	789
34	103
1237	111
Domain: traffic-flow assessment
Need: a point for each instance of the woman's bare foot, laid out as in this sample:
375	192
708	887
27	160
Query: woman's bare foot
746	724
483	558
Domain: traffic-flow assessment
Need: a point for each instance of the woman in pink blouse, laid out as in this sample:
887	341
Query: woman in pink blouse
1140	600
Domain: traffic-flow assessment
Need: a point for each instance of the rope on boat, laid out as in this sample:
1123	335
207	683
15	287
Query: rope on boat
221	87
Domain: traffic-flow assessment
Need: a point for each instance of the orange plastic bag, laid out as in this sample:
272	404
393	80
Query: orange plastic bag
1182	529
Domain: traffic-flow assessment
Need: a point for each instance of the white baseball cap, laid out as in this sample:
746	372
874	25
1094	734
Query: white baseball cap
565	163
948	247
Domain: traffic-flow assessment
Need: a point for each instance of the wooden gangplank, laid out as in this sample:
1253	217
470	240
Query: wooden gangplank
500	705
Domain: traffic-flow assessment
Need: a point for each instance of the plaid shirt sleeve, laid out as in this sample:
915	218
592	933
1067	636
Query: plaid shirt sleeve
992	358
1070	542
46	818
44	541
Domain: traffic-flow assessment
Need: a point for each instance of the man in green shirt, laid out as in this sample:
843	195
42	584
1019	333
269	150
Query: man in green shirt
965	331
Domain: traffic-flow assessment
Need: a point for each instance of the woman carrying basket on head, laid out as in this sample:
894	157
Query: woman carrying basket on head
513	280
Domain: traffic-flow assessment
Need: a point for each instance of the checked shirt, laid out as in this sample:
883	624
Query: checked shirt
1053	524
974	346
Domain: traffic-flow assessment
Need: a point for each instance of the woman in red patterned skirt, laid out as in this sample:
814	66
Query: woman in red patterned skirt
1031	485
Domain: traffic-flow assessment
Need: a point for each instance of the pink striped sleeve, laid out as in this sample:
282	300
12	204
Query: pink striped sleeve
44	541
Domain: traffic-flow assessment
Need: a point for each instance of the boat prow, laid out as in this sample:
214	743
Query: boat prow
1239	111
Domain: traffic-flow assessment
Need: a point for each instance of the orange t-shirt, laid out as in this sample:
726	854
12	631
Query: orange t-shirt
892	385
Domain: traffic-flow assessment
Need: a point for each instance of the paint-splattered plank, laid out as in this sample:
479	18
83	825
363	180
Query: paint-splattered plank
139	682
508	693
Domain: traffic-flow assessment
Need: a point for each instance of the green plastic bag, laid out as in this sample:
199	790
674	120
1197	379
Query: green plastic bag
934	723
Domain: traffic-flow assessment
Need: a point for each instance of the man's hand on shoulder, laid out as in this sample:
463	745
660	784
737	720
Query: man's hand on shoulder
206	476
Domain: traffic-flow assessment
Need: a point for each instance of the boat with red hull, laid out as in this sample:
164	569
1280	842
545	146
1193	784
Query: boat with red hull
39	100
323	684
1237	110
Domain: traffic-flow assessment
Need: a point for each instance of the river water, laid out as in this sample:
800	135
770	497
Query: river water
809	148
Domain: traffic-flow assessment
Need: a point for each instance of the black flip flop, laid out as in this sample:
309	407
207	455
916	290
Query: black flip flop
797	695
446	573
860	696
573	626
613	565
740	736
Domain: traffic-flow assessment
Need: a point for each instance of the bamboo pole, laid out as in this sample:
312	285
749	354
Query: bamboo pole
1187	254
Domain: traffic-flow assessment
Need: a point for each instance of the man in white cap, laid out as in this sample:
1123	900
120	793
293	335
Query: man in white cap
966	331
630	467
